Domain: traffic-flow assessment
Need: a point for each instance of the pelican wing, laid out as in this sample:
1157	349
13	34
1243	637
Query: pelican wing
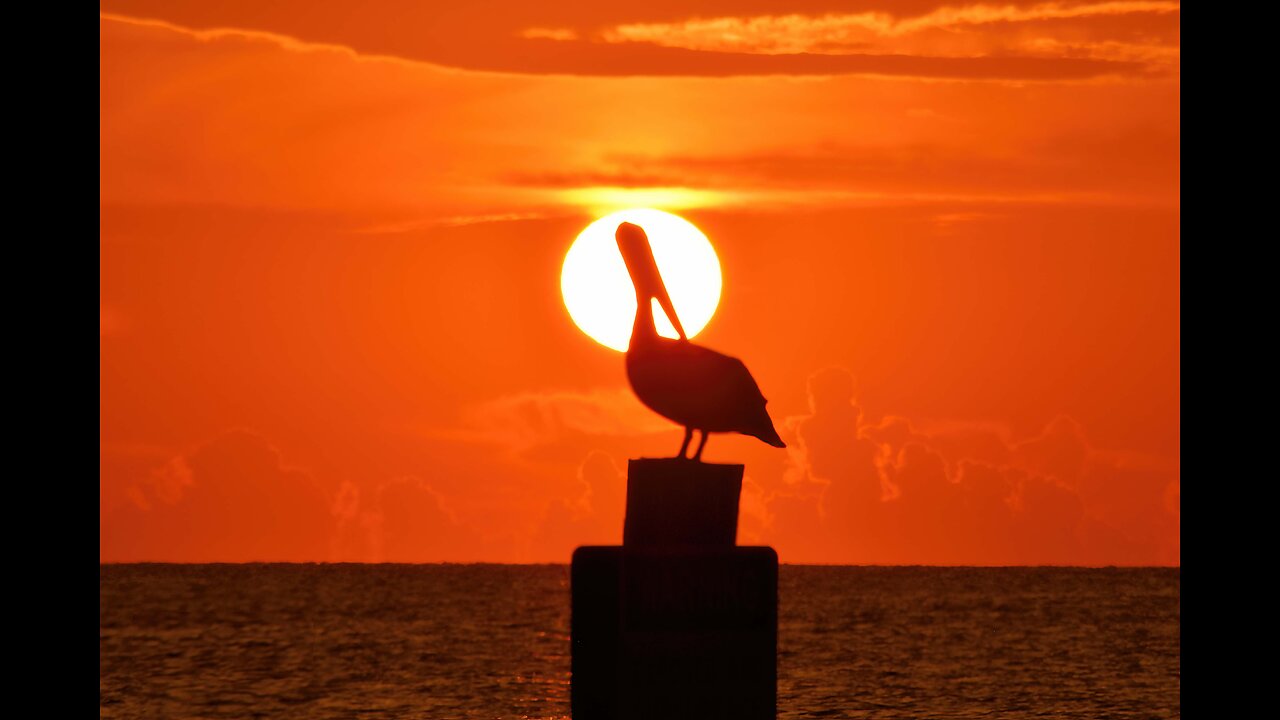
700	388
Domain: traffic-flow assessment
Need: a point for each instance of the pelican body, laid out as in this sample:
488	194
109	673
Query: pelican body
694	386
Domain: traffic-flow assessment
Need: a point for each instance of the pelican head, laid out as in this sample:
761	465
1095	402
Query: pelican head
633	243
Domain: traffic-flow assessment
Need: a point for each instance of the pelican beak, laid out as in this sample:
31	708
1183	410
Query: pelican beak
638	255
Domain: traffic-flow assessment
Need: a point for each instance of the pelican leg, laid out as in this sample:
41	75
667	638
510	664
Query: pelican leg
701	444
684	447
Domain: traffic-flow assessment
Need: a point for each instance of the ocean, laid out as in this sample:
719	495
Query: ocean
492	641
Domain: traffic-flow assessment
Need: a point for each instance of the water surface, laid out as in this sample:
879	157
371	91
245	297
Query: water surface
492	641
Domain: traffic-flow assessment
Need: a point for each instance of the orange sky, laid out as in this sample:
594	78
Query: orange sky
331	237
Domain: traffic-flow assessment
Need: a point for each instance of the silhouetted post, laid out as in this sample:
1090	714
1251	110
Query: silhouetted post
674	502
678	622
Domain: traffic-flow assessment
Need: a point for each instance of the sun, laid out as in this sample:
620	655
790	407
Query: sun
598	292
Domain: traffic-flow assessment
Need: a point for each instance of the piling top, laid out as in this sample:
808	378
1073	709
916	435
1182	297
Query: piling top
677	502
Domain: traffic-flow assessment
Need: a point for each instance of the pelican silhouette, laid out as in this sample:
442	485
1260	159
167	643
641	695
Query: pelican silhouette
698	388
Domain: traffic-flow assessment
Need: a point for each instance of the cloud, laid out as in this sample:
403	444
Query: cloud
1111	166
591	515
955	30
537	33
859	489
956	493
229	500
409	521
416	225
587	178
525	421
125	469
340	138
234	500
478	39
1059	452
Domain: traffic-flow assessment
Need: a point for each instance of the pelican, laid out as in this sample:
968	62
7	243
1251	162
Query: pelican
698	388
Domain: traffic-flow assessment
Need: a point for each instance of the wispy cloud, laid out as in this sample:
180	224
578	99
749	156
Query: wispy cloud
542	33
413	225
221	501
963	492
1140	167
223	33
792	45
525	420
1043	30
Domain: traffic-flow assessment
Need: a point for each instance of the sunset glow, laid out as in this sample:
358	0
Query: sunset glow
341	319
